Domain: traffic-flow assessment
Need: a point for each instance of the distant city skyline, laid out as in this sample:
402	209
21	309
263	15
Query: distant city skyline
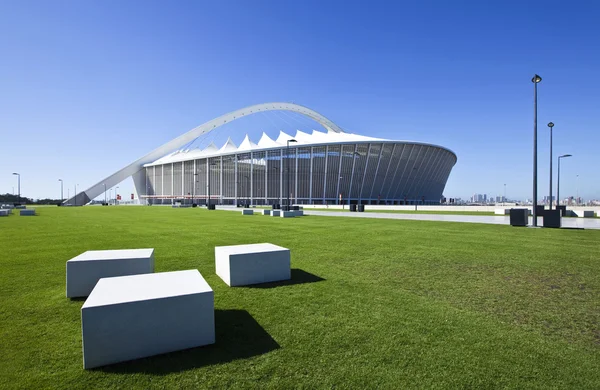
88	87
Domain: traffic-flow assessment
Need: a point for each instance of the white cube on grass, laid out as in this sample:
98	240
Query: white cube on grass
84	271
240	265
288	214
4	213
131	317
501	211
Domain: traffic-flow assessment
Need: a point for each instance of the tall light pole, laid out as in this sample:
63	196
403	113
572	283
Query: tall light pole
75	195
19	186
61	189
550	125
504	198
535	80
194	187
287	173
105	194
116	194
558	181
208	184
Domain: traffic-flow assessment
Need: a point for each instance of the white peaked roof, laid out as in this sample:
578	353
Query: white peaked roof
265	142
211	148
247	144
228	147
283	138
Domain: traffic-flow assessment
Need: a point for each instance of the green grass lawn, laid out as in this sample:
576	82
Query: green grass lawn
372	303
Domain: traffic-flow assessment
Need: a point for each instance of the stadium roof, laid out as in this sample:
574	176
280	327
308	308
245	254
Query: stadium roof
265	142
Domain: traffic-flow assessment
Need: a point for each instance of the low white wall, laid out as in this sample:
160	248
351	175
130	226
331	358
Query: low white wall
441	208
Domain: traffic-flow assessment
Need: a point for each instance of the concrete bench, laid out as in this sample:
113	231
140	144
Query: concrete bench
299	213
275	213
267	212
27	212
247	212
585	213
4	213
132	317
501	211
241	265
84	271
288	214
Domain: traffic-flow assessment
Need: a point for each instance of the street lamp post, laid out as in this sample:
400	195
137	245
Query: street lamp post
535	80
75	195
558	178
287	173
116	194
504	198
550	125
194	187
18	186
61	189
208	185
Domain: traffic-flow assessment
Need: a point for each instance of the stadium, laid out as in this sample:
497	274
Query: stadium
319	167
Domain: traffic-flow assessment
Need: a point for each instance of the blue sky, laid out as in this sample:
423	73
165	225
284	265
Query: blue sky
88	87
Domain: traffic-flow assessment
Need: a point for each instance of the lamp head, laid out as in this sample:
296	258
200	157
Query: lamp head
550	125
292	140
565	155
15	173
536	79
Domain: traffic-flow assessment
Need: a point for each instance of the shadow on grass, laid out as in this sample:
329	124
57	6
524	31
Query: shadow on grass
298	277
238	336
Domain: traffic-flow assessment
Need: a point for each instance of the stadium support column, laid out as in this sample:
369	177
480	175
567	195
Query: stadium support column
311	177
280	176
221	180
172	182
362	183
251	178
325	175
296	176
235	181
352	175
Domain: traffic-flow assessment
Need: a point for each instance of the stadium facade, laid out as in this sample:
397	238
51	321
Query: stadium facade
322	167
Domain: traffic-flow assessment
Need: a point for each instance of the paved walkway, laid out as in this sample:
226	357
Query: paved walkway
577	223
586	223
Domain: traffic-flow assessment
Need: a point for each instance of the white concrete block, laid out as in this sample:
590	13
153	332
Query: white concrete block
247	212
288	214
27	212
502	211
275	213
132	317
241	265
84	271
267	212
